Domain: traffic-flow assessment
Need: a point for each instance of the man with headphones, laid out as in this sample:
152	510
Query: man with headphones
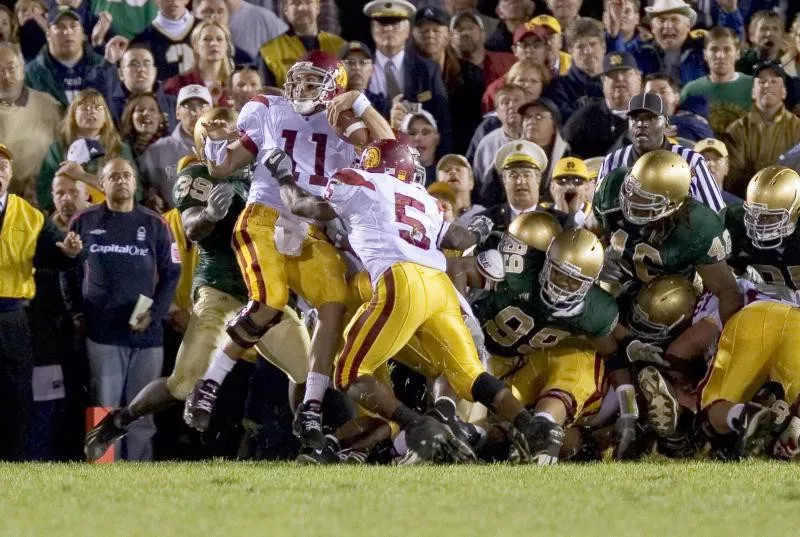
647	121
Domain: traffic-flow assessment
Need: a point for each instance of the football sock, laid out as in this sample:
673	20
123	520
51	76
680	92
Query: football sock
316	385
734	413
546	416
626	395
400	443
221	365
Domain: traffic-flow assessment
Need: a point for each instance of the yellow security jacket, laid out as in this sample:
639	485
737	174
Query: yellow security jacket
282	52
188	254
18	236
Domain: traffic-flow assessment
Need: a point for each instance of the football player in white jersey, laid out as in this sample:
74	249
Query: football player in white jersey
278	251
397	229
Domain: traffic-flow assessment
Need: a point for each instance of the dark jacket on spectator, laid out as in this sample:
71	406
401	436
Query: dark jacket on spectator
104	79
500	40
422	83
47	74
690	119
593	129
502	215
565	91
650	58
719	17
489	123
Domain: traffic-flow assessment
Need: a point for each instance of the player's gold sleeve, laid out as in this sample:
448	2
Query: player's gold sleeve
188	254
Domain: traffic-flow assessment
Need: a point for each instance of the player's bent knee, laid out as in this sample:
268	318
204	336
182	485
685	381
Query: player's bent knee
180	386
249	324
485	389
565	398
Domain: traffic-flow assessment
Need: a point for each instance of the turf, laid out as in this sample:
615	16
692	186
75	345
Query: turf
244	499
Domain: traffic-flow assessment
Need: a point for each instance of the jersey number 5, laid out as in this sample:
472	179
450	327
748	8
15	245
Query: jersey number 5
417	236
320	146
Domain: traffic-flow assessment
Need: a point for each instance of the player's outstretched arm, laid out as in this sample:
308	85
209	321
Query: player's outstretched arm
718	278
199	221
224	152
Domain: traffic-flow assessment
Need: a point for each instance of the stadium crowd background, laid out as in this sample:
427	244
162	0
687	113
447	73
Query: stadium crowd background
82	81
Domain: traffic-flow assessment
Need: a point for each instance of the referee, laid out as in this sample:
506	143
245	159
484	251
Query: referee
647	120
27	241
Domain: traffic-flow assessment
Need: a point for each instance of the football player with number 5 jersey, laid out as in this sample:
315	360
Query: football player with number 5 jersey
278	252
397	229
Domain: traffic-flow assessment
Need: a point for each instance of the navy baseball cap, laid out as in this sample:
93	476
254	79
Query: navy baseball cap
56	13
614	61
433	14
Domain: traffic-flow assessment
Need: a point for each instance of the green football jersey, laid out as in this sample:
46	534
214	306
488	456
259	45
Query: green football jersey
522	263
777	266
677	244
517	323
217	266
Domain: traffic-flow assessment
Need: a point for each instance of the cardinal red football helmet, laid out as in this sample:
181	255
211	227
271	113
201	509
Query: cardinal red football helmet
393	158
309	96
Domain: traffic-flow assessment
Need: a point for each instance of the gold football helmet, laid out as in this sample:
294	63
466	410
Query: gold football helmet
573	263
772	206
535	229
657	186
227	115
663	306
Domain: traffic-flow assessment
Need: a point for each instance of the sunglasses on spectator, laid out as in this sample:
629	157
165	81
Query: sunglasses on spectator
358	63
569	180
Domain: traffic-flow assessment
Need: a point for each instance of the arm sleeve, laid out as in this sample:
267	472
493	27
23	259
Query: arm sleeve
72	280
732	20
169	271
252	125
47	253
704	187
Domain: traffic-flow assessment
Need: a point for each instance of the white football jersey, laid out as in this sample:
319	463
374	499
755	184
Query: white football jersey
388	221
316	149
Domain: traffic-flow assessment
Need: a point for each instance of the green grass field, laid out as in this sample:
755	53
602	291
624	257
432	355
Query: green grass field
249	499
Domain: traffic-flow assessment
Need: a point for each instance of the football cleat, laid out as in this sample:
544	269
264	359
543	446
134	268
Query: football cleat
431	441
102	436
307	425
752	428
200	404
352	456
444	410
543	439
327	454
662	402
787	445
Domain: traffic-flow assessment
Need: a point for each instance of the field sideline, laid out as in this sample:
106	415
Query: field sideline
251	499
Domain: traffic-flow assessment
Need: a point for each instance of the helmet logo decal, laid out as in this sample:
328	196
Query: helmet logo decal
341	75
371	158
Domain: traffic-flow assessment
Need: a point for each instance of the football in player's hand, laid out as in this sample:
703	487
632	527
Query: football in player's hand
351	129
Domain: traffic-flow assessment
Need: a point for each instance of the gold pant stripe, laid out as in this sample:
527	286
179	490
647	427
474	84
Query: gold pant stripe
367	317
248	258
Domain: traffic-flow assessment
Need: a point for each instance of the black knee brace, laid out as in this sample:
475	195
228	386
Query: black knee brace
485	389
244	331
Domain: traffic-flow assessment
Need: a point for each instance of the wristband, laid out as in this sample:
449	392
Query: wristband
360	105
215	150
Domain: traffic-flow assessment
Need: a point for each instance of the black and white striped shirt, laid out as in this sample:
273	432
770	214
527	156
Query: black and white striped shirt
703	188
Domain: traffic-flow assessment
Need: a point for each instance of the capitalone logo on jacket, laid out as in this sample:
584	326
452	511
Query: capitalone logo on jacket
127	249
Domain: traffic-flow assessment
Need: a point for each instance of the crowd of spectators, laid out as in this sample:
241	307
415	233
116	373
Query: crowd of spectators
99	99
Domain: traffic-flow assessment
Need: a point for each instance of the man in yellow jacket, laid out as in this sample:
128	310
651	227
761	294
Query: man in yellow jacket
27	240
280	53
